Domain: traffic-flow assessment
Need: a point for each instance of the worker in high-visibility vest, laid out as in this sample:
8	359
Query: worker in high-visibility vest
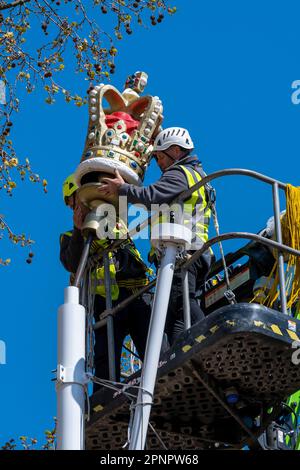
172	151
262	259
128	272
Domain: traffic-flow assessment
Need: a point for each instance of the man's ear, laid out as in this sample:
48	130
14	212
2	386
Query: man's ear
177	151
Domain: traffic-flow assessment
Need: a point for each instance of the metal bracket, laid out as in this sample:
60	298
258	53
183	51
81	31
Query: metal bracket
230	296
67	375
64	374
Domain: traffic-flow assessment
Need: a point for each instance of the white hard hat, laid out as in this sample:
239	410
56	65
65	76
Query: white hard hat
173	136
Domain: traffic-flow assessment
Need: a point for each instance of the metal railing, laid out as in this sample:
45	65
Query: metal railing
276	185
106	317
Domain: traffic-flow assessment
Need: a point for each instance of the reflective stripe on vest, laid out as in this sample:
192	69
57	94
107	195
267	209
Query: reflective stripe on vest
131	283
98	279
196	211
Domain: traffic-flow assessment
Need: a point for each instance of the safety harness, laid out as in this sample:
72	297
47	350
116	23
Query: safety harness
97	275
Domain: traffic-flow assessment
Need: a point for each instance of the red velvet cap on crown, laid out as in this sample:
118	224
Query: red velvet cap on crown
131	124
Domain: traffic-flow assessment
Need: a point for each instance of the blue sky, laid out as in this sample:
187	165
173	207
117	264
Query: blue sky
223	70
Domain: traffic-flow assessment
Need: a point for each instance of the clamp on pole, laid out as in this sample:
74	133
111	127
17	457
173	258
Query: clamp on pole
69	375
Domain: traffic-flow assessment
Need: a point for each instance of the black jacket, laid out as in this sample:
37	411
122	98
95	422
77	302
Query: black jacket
71	247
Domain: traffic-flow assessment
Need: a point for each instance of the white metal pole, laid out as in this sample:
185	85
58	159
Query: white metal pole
154	342
71	372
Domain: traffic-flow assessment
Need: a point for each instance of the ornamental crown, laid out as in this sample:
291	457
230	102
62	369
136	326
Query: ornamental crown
121	135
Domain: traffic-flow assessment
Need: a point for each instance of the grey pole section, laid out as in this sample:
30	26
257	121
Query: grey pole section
110	320
278	232
186	300
83	260
154	342
123	304
83	290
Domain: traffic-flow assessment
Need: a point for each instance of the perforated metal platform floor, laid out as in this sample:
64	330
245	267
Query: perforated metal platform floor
246	346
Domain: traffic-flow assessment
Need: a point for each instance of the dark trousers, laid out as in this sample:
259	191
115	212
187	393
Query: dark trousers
197	273
133	319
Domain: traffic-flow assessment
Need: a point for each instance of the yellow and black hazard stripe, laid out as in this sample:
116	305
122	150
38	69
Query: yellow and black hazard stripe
279	330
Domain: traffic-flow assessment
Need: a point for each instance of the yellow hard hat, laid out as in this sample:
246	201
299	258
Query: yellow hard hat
69	187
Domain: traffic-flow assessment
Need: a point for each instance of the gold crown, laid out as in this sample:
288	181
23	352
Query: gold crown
120	136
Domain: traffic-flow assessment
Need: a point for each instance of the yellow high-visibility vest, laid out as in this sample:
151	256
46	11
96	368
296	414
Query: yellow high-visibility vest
98	277
196	211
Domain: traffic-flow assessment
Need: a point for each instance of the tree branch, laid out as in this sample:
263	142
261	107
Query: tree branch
14	4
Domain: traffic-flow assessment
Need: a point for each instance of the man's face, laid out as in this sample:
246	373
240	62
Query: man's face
70	201
166	158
